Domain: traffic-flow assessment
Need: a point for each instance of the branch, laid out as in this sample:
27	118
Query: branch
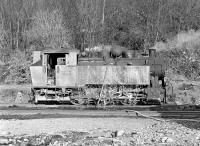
103	13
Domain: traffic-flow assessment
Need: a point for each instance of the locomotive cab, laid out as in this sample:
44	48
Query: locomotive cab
43	69
60	57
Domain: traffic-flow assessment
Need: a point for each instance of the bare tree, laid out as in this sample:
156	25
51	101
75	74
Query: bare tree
48	27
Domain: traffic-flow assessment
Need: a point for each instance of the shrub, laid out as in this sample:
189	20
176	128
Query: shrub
19	64
183	51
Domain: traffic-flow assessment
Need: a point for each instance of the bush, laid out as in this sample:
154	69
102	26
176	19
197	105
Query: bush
183	51
183	62
18	69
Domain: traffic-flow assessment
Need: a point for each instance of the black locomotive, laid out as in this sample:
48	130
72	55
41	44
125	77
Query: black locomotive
104	74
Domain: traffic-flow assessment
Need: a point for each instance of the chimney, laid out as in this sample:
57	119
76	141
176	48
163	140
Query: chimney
152	52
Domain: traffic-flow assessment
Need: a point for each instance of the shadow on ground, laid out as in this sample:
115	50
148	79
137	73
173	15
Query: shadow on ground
190	124
188	116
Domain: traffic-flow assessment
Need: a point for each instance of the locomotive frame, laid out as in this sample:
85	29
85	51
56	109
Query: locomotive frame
63	75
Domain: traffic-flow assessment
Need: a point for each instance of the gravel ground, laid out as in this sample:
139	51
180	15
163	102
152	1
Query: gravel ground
99	131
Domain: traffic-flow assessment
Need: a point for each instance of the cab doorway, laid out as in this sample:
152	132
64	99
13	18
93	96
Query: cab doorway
52	61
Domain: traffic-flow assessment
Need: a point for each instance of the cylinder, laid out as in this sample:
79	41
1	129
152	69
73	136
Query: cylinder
105	54
130	53
99	54
116	51
152	52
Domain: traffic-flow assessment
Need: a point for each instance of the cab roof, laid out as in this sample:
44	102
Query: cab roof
59	50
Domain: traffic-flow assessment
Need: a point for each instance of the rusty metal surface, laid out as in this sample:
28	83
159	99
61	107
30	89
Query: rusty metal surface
50	50
81	75
38	75
66	75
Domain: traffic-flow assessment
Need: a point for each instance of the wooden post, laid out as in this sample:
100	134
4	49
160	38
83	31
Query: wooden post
44	59
67	59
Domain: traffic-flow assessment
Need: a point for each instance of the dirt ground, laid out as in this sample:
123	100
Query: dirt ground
101	131
182	90
70	124
9	94
98	131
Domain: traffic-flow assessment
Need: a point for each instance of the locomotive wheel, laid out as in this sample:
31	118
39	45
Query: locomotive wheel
126	98
125	102
104	97
78	100
128	102
105	102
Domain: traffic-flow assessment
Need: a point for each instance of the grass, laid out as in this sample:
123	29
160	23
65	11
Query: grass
8	93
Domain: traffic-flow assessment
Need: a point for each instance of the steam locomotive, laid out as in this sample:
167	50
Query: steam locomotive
103	75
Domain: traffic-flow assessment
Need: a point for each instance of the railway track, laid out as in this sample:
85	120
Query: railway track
163	107
40	112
